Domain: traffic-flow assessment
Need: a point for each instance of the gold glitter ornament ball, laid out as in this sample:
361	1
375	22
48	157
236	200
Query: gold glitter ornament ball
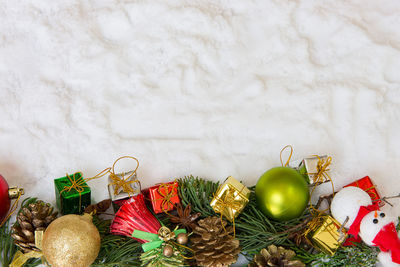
71	241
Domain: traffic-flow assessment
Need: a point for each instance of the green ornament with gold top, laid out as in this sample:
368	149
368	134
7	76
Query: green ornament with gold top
282	193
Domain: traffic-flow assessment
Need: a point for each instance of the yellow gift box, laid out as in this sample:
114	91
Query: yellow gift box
327	235
230	198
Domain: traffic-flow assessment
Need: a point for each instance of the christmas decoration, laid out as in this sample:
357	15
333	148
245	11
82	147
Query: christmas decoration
213	243
282	193
123	185
311	167
31	222
184	218
72	194
367	185
71	240
134	215
346	204
161	249
326	234
376	228
230	199
275	257
163	197
6	195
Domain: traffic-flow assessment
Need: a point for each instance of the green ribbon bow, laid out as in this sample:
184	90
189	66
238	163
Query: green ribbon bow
156	240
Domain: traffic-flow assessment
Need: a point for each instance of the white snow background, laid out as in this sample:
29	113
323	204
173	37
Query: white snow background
209	88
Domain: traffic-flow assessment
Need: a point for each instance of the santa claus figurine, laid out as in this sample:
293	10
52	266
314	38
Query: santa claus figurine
353	208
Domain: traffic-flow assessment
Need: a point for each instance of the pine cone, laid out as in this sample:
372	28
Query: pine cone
35	217
213	246
275	257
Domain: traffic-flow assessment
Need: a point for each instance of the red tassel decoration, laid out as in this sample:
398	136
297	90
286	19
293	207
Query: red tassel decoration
134	215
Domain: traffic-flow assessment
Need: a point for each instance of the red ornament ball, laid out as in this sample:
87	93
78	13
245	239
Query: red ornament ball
4	198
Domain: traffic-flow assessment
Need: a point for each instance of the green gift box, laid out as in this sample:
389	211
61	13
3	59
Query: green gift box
72	194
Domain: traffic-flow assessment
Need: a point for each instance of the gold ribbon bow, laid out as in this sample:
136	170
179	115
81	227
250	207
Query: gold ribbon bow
228	202
167	194
321	176
165	234
119	182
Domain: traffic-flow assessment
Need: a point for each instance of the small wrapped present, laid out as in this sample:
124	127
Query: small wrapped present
122	186
163	197
326	234
312	168
368	186
72	194
230	198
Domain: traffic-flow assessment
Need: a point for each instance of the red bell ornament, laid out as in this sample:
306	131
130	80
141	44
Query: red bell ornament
6	195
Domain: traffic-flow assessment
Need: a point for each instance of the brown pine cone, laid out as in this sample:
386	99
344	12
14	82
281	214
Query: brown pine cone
35	217
213	246
275	257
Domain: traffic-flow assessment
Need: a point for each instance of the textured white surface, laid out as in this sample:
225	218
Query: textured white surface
210	88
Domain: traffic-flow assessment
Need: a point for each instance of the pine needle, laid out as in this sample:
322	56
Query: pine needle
7	247
198	193
115	251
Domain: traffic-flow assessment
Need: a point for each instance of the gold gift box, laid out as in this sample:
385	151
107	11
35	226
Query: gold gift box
308	167
328	235
230	198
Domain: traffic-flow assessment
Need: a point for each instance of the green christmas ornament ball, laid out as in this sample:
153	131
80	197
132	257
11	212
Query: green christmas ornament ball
282	193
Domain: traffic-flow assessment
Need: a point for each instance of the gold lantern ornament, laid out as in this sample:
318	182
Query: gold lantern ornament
71	241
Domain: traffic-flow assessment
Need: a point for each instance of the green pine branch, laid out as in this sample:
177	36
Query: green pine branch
353	256
155	258
115	251
198	193
7	247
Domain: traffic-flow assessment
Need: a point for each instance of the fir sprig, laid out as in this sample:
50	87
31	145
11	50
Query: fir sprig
255	231
353	256
7	247
155	258
115	251
198	193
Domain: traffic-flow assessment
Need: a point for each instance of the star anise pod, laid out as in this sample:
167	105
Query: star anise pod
184	218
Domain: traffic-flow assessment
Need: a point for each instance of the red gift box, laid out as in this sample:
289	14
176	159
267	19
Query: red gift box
367	185
164	197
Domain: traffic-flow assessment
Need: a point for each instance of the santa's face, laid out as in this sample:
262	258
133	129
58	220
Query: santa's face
372	223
